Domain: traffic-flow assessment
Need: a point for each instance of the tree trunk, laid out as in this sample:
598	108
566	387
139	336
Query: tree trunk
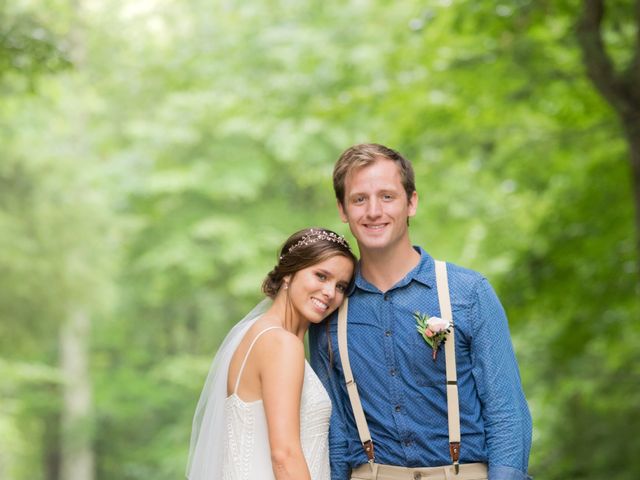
77	462
632	130
51	446
620	88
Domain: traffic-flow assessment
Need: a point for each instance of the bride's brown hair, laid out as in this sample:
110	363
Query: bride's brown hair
303	249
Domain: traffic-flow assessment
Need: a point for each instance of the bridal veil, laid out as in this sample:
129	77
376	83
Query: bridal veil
208	432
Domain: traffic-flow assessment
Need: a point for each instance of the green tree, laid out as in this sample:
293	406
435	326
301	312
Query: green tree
29	46
149	187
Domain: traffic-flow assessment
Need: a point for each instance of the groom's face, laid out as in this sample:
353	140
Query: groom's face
376	206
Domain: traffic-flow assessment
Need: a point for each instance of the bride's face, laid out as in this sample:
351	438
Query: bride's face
316	291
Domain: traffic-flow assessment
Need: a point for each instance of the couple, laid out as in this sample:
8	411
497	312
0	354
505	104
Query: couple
415	375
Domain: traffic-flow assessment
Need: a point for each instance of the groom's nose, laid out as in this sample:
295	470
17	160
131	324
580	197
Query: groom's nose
374	208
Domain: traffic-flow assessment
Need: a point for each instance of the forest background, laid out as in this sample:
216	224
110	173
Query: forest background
154	154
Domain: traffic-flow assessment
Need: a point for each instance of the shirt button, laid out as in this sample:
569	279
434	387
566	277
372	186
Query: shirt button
392	372
388	333
407	443
398	408
386	297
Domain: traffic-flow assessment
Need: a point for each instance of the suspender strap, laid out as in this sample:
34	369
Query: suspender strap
453	406
352	389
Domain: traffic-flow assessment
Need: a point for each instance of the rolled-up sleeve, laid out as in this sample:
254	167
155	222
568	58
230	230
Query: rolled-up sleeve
499	472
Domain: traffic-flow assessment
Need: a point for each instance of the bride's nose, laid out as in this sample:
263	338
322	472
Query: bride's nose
329	291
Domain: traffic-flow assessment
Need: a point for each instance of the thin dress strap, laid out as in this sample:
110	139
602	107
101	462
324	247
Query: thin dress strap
246	356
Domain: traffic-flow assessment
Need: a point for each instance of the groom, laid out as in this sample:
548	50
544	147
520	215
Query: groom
401	380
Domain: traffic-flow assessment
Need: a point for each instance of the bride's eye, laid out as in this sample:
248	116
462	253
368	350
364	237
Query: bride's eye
321	276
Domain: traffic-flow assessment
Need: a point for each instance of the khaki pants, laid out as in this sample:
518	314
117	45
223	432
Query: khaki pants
468	471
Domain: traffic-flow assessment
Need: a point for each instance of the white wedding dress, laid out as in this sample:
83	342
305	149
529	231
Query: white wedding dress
246	448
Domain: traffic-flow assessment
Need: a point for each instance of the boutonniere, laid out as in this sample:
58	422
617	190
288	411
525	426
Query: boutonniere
433	329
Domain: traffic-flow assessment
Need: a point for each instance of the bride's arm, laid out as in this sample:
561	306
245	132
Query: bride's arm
281	376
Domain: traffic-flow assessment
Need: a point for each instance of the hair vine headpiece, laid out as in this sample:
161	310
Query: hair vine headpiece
315	236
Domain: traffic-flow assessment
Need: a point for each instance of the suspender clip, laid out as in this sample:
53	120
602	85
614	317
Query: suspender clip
454	450
368	449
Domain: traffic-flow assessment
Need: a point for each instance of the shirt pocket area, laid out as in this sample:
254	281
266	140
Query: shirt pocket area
426	371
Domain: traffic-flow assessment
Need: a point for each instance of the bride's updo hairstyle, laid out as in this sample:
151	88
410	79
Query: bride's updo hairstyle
304	249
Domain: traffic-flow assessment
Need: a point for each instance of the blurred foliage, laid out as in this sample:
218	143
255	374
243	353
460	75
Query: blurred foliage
30	45
152	183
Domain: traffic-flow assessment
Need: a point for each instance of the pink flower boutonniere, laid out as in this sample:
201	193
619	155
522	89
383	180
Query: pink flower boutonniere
433	329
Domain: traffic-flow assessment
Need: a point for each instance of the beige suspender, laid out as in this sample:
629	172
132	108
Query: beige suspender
352	389
453	407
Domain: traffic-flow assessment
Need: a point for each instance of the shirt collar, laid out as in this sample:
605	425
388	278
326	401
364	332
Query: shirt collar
423	272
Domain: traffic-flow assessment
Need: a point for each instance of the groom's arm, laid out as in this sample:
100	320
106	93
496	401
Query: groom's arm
505	411
322	364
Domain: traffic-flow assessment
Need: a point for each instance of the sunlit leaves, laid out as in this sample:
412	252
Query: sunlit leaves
156	181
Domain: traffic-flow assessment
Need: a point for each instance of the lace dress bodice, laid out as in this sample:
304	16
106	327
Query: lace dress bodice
247	455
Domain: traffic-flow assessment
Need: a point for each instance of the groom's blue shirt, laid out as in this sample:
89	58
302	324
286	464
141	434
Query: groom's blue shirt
403	390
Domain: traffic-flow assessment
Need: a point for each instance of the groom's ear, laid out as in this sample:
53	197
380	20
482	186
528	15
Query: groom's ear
413	204
343	214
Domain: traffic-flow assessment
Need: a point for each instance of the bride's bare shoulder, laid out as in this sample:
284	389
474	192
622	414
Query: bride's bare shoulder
277	340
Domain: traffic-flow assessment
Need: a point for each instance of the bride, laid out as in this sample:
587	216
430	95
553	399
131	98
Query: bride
263	413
